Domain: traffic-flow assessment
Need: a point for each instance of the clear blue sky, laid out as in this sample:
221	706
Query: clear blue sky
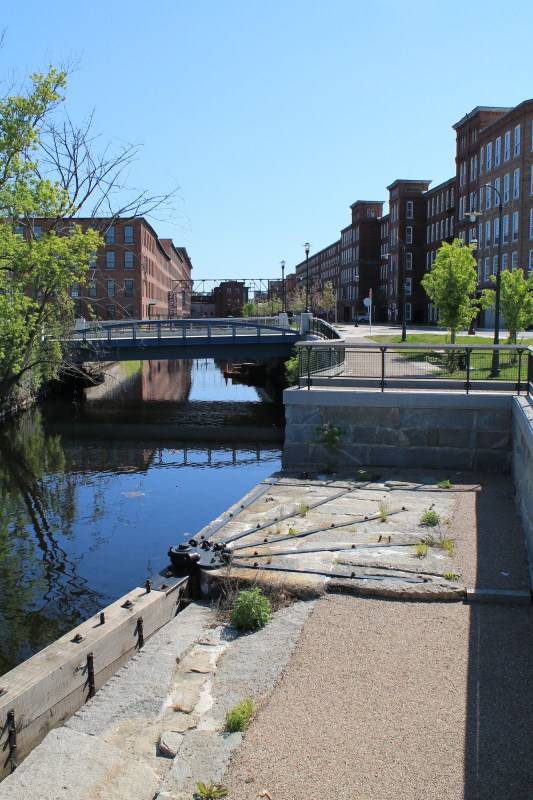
274	116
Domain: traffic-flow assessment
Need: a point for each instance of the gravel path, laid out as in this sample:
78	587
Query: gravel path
385	700
388	701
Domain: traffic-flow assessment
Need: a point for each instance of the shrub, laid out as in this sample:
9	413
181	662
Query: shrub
252	610
329	434
445	484
421	550
292	370
240	716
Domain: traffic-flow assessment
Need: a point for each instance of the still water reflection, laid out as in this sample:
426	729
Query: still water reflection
95	488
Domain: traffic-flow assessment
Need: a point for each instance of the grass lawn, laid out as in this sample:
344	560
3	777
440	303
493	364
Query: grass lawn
452	365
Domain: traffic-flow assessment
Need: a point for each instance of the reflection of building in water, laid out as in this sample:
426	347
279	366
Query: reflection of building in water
112	457
166	380
144	380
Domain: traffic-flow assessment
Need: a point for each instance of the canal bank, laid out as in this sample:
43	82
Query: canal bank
427	700
158	726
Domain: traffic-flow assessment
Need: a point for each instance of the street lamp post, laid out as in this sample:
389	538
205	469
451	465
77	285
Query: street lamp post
307	247
283	286
472	215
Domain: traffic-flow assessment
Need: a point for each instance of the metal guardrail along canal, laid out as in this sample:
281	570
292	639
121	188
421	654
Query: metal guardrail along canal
439	367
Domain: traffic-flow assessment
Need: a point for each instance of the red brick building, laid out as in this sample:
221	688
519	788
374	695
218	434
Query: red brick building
230	297
134	275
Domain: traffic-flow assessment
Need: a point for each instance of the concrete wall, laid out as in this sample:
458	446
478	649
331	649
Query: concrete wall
405	429
522	467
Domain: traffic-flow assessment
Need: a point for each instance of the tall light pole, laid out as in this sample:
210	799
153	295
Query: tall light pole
283	285
306	247
472	215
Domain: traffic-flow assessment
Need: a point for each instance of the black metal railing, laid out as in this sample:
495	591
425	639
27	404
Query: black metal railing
323	329
416	367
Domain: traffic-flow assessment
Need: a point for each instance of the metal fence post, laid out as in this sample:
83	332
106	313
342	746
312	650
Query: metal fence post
308	367
382	379
468	352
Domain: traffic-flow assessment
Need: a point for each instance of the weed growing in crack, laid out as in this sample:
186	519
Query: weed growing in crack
240	716
451	576
383	510
430	519
252	610
421	550
213	791
445	484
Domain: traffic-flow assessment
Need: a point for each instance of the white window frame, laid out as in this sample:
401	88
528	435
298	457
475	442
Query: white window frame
110	235
514	260
110	259
516	183
409	234
517	140
498	151
409	210
507	146
408	312
515	226
408	261
506	187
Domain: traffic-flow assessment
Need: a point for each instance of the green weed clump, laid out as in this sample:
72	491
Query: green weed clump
451	576
252	610
445	484
383	511
430	519
304	508
421	550
447	544
213	791
329	434
240	716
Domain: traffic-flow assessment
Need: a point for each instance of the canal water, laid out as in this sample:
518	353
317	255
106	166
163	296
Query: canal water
95	487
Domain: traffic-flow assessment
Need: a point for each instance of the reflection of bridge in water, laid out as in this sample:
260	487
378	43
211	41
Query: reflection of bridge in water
180	338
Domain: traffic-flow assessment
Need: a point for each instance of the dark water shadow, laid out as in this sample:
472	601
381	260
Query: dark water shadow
499	712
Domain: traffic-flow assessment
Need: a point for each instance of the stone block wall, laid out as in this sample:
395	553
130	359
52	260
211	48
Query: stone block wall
522	467
404	429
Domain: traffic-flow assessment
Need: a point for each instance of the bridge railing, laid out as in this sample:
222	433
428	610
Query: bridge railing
114	332
323	329
417	367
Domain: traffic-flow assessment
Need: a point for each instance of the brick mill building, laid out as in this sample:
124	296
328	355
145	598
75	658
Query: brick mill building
390	254
135	274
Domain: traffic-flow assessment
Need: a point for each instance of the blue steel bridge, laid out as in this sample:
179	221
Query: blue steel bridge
133	340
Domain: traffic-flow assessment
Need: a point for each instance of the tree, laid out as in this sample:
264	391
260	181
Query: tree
249	309
297	300
449	285
328	298
49	168
516	301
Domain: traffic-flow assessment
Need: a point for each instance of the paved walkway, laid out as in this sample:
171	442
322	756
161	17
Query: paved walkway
407	701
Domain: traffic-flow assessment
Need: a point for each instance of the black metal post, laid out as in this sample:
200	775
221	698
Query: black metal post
495	367
404	327
284	303
307	247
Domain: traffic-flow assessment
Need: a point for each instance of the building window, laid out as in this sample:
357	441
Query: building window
506	183
515	226
128	234
408	235
110	259
111	311
489	156
488	197
128	288
514	260
446	228
487	233
128	259
496	231
498	197
530	262
92	288
451	226
531	223
506	229
408	312
481	159
516	184
19	230
408	261
128	311
408	286
517	140
505	261
75	290
110	235
507	146
498	152
409	210
110	288
487	269
495	265
38	231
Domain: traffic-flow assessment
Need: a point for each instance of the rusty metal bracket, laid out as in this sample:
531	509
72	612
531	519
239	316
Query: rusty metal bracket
12	739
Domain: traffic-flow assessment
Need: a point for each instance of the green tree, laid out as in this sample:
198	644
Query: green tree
49	168
328	298
297	300
516	300
449	285
249	309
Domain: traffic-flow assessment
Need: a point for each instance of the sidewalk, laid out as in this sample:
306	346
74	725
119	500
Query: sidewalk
406	701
